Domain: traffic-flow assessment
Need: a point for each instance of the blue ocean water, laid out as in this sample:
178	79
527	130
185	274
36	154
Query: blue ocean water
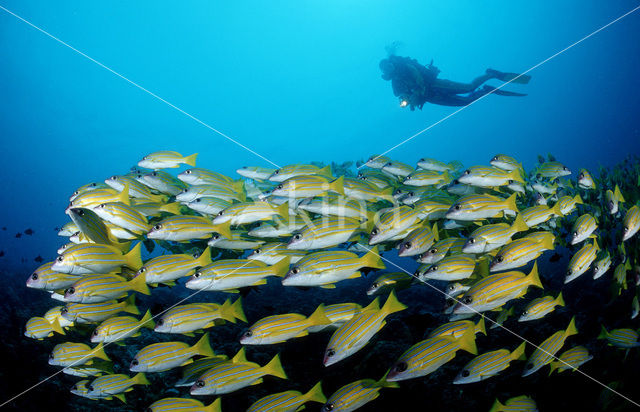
295	82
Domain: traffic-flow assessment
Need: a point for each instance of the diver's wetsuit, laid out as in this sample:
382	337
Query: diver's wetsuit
417	84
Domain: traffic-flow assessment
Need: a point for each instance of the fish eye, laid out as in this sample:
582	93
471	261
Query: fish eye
509	181
145	158
297	236
457	207
248	334
64	310
134	362
90	388
102	206
95	332
451	288
70	291
494	158
76	193
295	270
625	229
51	356
407	245
466	172
197	274
467	300
257	252
410	194
581	176
499	258
187	172
374	232
433	268
401	366
215	236
471	240
565	168
220	213
433	251
375	285
200	383
465	373
154	173
279	187
328	407
330	353
142	269
59	259
184	190
34	276
160	322
276	172
157	227
575	233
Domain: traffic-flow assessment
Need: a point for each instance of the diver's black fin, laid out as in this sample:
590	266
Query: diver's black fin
500	92
510	77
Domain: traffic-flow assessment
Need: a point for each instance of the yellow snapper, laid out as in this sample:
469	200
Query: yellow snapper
482	206
167	268
519	252
255	172
483	176
356	394
568	204
74	354
103	287
185	228
162	356
227	377
428	355
328	267
289	401
622	338
46	279
245	213
418	241
489	364
583	227
497	289
536	215
571	359
540	307
354	334
545	352
521	403
40	328
631	222
585	181
489	237
163	182
581	260
121	327
96	258
271	253
613	199
107	386
97	312
184	405
191	317
308	186
386	282
230	274
280	328
325	232
393	222
289	171
166	159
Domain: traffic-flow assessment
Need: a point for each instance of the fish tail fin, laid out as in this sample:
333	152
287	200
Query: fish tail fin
274	368
337	185
240	356
238	185
205	257
55	326
577	199
374	305
225	312
283	210
139	284
436	233
559	301
121	397
556	210
548	241
515	176
603	333
224	229
618	194
123	197
99	352
392	304
519	225
134	257
554	366
191	160
140	379
147	321
372	259
510	203
130	305
318	317
480	327
315	394
202	347
173	208
384	383
446	177
518	353
215	406
533	277
467	341
497	406
281	267
571	329
236	310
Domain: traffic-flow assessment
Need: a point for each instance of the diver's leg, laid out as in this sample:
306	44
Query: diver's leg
448	86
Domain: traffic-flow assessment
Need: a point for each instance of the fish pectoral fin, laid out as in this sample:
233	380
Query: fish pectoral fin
354	275
190	334
302	333
260	282
188	361
258	382
328	286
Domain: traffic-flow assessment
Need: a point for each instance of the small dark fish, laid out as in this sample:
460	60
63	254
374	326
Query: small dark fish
1	253
38	259
556	257
18	235
57	229
23	260
29	232
4	228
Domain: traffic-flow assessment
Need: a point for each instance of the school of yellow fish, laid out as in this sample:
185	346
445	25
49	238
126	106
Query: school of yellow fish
473	231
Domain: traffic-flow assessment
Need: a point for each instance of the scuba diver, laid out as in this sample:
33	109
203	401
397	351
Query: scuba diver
416	84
